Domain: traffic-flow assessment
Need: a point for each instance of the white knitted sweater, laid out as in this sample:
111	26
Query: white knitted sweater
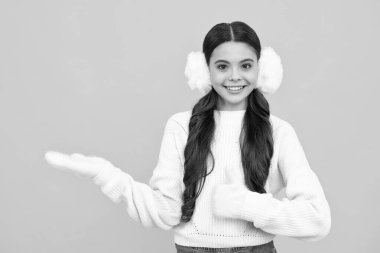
294	205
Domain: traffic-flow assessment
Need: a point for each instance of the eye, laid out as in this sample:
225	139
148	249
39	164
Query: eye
221	66
246	66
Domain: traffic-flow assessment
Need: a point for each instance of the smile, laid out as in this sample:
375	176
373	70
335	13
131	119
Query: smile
234	88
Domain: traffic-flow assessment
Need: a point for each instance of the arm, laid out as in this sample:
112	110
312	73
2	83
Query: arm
303	214
159	203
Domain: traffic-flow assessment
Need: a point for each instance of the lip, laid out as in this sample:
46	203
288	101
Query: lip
235	91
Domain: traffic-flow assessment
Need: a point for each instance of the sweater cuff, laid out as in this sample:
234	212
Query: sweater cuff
254	208
106	174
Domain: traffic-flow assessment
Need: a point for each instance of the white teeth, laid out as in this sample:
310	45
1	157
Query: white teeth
235	88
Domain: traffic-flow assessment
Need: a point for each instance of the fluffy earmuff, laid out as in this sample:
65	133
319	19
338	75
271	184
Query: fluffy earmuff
268	81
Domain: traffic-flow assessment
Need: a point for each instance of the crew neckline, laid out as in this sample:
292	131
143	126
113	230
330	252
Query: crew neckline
231	112
230	115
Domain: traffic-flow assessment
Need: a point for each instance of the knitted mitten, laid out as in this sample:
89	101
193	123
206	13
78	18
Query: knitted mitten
84	166
228	198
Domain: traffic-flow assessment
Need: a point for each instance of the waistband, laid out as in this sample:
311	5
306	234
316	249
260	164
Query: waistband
268	245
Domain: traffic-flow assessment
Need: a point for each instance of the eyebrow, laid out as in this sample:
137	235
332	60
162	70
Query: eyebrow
248	59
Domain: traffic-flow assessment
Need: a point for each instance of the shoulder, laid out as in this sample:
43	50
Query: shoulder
180	120
278	122
280	125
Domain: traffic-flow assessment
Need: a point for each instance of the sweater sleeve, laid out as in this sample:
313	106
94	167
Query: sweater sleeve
159	203
305	212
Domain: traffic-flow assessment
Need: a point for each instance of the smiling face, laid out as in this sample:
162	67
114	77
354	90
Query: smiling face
233	64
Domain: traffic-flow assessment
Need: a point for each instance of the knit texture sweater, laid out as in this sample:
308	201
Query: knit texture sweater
227	213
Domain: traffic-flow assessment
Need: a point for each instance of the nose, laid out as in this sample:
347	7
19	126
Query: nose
232	79
235	76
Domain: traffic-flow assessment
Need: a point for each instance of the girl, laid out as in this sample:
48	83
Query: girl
223	164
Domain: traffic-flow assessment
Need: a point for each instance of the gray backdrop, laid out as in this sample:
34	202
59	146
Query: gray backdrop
102	77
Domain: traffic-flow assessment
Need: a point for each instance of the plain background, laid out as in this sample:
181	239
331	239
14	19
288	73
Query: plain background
102	77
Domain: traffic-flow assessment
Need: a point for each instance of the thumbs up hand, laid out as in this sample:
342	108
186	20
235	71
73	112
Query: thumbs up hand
85	166
228	198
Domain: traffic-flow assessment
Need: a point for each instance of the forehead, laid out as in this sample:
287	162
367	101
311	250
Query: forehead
233	51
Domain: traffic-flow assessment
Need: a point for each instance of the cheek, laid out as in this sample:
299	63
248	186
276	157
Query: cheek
217	77
252	76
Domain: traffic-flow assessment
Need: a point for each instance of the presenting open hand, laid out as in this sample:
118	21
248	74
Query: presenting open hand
87	166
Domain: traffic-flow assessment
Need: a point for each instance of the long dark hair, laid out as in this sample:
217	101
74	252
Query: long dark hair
256	139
